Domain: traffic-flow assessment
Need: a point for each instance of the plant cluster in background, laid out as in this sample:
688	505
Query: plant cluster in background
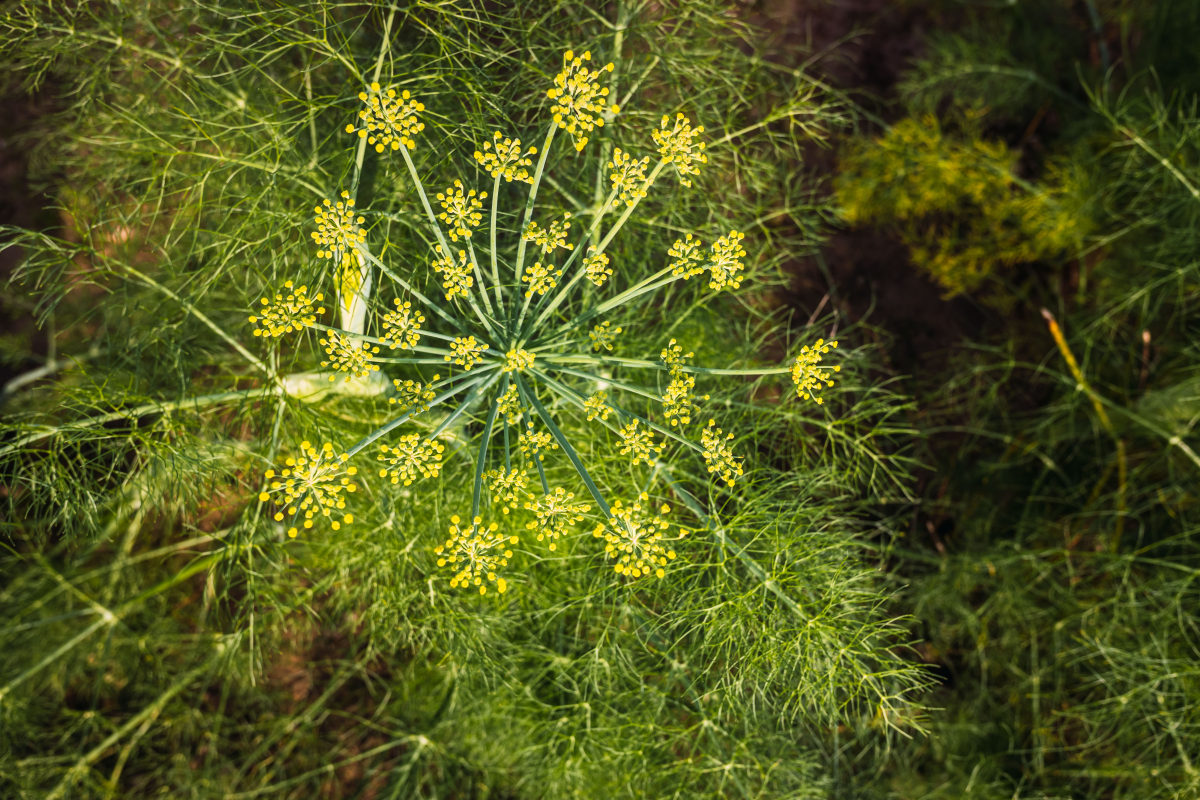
958	204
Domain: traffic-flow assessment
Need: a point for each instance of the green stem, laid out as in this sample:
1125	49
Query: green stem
533	190
379	433
437	230
432	306
492	244
667	432
189	404
481	462
580	248
440	351
641	364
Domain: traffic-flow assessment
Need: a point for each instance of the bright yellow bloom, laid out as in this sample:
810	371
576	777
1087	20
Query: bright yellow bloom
505	159
718	455
290	313
508	487
809	375
460	210
345	356
678	401
510	405
312	484
388	120
534	444
466	352
725	262
476	552
633	537
339	232
638	443
673	356
551	238
541	278
456	275
597	406
413	395
555	513
595	266
579	100
678	145
628	177
686	260
402	327
517	361
603	336
409	457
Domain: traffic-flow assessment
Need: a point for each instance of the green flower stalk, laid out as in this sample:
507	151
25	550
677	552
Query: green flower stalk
529	346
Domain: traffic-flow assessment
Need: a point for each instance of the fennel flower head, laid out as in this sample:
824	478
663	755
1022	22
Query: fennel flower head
519	303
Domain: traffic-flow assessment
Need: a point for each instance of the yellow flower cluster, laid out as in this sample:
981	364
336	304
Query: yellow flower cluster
460	210
345	356
534	444
678	144
312	484
638	443
504	159
725	262
508	487
597	406
466	352
595	266
402	327
476	552
628	177
603	336
509	402
551	238
338	231
456	275
388	120
634	538
556	513
678	401
413	395
686	260
673	356
579	100
809	375
517	361
287	313
718	455
541	278
409	457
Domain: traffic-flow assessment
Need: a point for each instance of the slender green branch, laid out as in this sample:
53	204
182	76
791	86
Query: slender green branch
432	306
624	412
437	230
481	461
533	190
379	433
189	404
658	365
362	337
492	244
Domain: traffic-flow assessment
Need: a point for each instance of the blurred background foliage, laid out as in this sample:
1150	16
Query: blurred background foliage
1053	565
973	574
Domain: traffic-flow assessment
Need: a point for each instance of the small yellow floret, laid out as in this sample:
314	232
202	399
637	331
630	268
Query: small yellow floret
291	312
809	375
